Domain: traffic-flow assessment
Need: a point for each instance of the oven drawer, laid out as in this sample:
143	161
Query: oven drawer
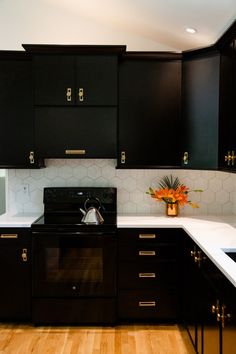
150	275
147	305
74	311
150	236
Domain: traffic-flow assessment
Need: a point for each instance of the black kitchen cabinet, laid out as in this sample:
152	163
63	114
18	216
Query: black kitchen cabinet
149	111
208	303
208	93
64	132
67	80
147	274
15	274
16	112
200	90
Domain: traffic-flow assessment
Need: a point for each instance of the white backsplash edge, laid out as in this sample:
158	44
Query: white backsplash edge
25	186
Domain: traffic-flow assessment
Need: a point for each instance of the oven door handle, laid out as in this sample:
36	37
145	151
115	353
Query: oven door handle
75	233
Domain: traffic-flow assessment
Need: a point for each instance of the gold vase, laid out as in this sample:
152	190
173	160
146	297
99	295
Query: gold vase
172	209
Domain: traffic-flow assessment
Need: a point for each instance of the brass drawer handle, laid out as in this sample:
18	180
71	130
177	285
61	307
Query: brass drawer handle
8	236
147	275
150	236
147	303
147	253
81	94
75	152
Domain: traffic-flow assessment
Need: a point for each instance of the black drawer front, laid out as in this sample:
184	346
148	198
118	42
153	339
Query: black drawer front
147	275
147	305
147	252
145	235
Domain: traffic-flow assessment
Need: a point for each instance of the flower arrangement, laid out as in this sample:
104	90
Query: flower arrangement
171	191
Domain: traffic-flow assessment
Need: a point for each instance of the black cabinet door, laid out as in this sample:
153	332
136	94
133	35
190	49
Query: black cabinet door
76	132
16	111
96	80
15	292
227	127
75	80
54	80
201	111
149	113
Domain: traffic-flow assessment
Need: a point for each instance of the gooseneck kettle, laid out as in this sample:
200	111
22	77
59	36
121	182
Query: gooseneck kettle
92	215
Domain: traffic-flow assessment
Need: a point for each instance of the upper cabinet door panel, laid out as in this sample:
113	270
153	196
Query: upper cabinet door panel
96	80
15	82
201	110
54	80
149	113
65	80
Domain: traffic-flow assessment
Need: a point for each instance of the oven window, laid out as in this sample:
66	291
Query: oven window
73	264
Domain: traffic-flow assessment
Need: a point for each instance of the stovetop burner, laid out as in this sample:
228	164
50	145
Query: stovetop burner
62	207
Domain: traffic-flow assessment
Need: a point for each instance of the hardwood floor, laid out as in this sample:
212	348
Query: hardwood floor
133	339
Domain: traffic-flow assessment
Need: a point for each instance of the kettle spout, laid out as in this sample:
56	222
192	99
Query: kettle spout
82	211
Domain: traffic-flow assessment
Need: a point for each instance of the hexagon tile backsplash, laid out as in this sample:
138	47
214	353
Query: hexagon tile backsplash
25	187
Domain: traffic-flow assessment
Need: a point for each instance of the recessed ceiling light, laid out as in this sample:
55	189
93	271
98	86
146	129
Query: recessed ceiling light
190	30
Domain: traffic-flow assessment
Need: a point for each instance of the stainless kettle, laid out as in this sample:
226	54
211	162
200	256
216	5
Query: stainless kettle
92	215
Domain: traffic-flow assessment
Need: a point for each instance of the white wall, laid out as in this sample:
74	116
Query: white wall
57	22
217	198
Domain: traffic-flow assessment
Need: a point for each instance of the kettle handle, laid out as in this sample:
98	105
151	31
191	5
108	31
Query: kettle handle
93	199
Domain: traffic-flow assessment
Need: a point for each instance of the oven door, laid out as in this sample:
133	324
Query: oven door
74	264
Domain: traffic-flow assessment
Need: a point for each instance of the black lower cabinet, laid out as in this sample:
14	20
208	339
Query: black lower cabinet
15	274
148	275
208	306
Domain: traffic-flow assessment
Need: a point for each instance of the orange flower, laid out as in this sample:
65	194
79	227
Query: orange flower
172	191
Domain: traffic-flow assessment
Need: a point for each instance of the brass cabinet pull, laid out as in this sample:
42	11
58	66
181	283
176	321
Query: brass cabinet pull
152	236
224	317
24	255
123	157
147	303
68	94
147	275
147	253
186	158
31	157
75	152
230	157
8	236
81	94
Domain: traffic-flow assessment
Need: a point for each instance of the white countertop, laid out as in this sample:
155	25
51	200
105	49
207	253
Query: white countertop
212	234
18	220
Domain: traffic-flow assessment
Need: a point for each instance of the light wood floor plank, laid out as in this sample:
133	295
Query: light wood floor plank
132	339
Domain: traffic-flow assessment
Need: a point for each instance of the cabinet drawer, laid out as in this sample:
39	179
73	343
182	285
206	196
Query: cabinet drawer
146	235
147	305
150	275
147	251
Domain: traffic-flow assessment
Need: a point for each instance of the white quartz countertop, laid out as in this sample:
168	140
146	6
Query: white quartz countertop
18	220
212	234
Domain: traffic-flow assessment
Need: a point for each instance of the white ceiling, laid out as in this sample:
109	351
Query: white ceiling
163	21
139	24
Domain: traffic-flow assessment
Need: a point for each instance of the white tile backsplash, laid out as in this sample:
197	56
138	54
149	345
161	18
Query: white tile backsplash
219	196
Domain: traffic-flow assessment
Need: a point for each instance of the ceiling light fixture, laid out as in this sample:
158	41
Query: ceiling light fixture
190	30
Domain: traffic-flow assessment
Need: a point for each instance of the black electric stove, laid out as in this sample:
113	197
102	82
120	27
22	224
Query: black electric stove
73	263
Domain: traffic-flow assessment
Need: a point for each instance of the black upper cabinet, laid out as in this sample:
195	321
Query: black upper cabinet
200	89
16	111
68	80
149	111
209	92
63	132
